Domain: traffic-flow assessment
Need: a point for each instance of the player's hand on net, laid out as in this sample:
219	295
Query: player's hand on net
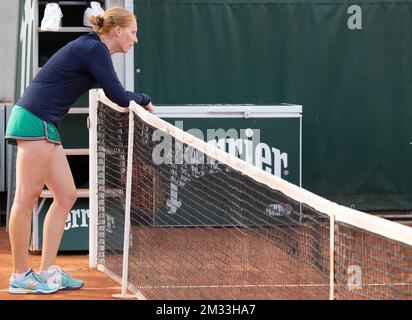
150	107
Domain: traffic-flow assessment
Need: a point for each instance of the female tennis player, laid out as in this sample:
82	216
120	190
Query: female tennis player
69	73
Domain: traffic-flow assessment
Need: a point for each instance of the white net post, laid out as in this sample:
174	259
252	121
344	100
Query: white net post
125	270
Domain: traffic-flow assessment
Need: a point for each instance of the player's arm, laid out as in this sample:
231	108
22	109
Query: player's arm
100	65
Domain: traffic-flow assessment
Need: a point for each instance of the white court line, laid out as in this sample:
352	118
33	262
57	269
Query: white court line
82	289
246	286
272	286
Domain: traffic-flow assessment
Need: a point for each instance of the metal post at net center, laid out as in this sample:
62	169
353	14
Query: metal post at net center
332	257
124	294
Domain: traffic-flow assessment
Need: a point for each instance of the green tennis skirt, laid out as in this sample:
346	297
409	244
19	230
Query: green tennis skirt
24	125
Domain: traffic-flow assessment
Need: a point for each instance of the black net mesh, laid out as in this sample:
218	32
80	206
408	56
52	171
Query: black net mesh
201	229
112	137
370	266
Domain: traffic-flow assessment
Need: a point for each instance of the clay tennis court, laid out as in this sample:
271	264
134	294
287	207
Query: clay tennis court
97	285
224	263
161	264
176	266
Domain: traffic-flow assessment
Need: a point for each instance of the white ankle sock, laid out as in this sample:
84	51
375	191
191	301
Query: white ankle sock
46	274
21	276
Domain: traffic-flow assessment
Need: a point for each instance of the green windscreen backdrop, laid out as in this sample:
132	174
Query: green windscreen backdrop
348	63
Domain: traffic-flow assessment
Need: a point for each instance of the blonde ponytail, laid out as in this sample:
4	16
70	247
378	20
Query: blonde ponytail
112	17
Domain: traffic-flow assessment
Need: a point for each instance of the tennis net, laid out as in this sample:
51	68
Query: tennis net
177	218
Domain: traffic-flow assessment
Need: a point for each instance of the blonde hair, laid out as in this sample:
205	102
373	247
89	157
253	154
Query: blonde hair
112	17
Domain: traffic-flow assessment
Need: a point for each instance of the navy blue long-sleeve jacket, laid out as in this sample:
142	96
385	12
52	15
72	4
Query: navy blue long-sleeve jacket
71	72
